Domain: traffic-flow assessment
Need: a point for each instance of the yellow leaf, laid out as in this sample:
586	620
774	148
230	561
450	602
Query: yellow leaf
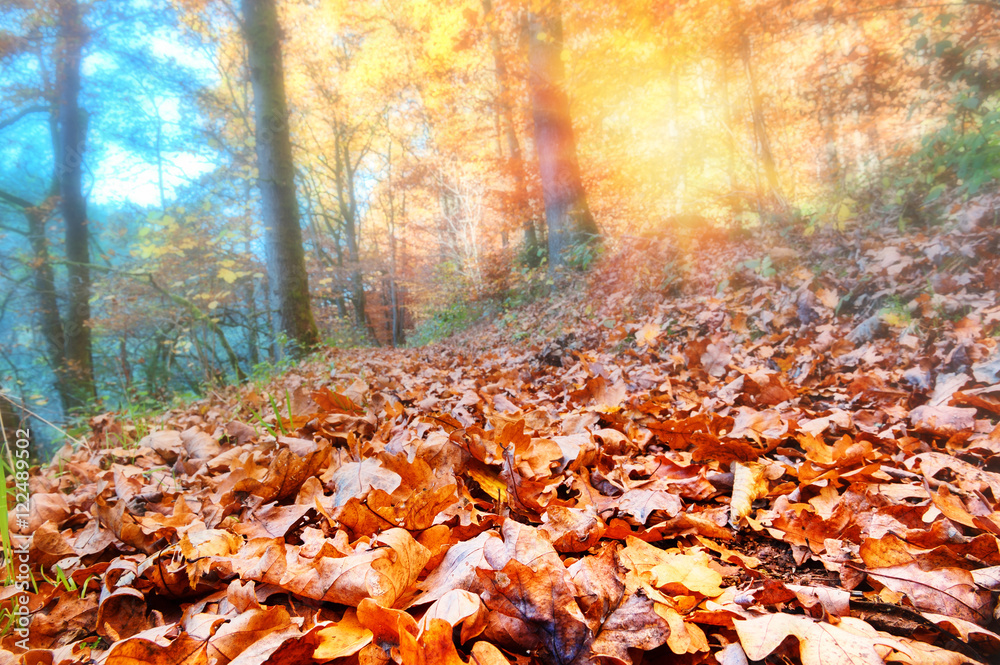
342	639
646	336
227	275
749	484
843	213
828	297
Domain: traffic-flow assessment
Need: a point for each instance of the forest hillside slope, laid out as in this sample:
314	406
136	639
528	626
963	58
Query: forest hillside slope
704	451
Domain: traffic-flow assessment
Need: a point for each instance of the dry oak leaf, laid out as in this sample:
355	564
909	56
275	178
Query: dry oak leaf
646	335
417	512
71	619
986	640
758	425
542	599
851	642
970	477
951	591
921	653
715	359
167	443
435	646
236	636
672	572
528	582
123	525
619	614
641	503
142	650
285	646
355	479
257	636
458	569
460	609
943	420
343	638
44	507
684	637
291	467
199	445
634	624
392	632
572	529
48	546
381	573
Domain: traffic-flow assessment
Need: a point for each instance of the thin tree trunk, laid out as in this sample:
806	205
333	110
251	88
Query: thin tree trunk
45	291
505	107
567	215
287	276
764	151
72	137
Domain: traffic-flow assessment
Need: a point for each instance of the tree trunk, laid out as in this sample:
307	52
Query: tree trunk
72	136
567	215
45	292
505	106
765	154
286	266
48	306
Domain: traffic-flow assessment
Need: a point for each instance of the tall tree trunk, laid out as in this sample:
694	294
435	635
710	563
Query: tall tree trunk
286	263
566	212
48	306
826	116
765	154
72	136
45	291
505	107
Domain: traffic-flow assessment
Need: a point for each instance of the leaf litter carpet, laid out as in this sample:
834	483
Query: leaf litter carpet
684	464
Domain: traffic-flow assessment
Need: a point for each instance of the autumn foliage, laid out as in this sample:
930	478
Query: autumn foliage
644	478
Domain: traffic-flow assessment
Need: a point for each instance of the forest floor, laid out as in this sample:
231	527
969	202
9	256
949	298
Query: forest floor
705	452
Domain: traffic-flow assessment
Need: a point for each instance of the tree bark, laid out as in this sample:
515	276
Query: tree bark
286	266
79	374
765	153
505	106
567	215
45	291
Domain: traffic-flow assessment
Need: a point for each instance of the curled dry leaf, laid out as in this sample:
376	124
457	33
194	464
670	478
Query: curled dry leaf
382	573
460	609
749	484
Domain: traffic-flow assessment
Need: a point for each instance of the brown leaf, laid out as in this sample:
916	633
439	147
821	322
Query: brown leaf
951	591
641	503
458	569
236	636
382	573
944	420
343	638
184	650
301	459
459	609
851	642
